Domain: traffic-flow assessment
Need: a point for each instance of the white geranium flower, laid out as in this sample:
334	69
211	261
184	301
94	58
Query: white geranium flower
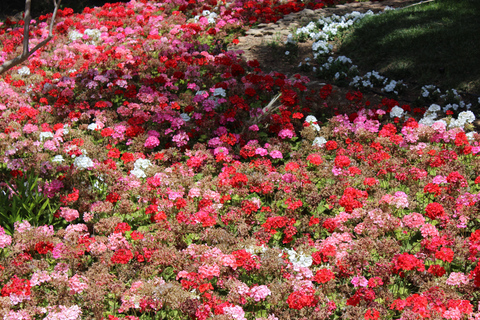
299	259
319	141
396	112
83	162
45	135
92	126
58	158
139	173
466	116
74	35
219	92
434	108
142	164
456	123
93	33
312	121
24	71
185	117
427	121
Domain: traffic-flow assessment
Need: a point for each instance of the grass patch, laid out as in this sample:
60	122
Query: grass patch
433	43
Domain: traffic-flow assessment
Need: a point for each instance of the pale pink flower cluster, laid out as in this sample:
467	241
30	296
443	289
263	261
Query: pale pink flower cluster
194	193
236	312
410	134
117	241
180	139
74	230
457	278
17	315
259	292
173	195
388	198
228	260
5	239
209	271
261	152
16	299
275	154
118	132
51	145
60	272
363	123
66	313
87	216
428	230
45	230
240	288
463	220
413	220
97	248
131	300
453	313
400	200
22	226
302	272
39	277
359	228
220	150
382	219
212	195
29	128
59	251
77	284
270	317
68	213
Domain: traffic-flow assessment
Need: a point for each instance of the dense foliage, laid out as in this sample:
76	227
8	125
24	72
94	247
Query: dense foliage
192	185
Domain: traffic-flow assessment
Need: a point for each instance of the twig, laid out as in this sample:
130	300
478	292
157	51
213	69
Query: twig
26	53
269	109
416	4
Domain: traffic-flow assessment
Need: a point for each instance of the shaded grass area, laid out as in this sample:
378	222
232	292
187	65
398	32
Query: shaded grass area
432	43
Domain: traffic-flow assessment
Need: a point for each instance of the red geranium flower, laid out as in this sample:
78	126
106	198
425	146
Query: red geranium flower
324	275
44	247
434	210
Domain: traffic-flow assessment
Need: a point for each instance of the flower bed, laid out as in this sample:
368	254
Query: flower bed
170	179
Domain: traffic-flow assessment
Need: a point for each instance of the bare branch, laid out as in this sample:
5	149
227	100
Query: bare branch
26	26
26	53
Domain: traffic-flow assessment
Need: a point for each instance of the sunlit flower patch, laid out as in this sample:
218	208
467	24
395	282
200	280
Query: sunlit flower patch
162	176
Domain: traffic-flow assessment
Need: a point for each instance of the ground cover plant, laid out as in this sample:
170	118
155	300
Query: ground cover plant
174	180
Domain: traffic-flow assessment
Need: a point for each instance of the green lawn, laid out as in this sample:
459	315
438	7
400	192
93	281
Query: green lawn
433	43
